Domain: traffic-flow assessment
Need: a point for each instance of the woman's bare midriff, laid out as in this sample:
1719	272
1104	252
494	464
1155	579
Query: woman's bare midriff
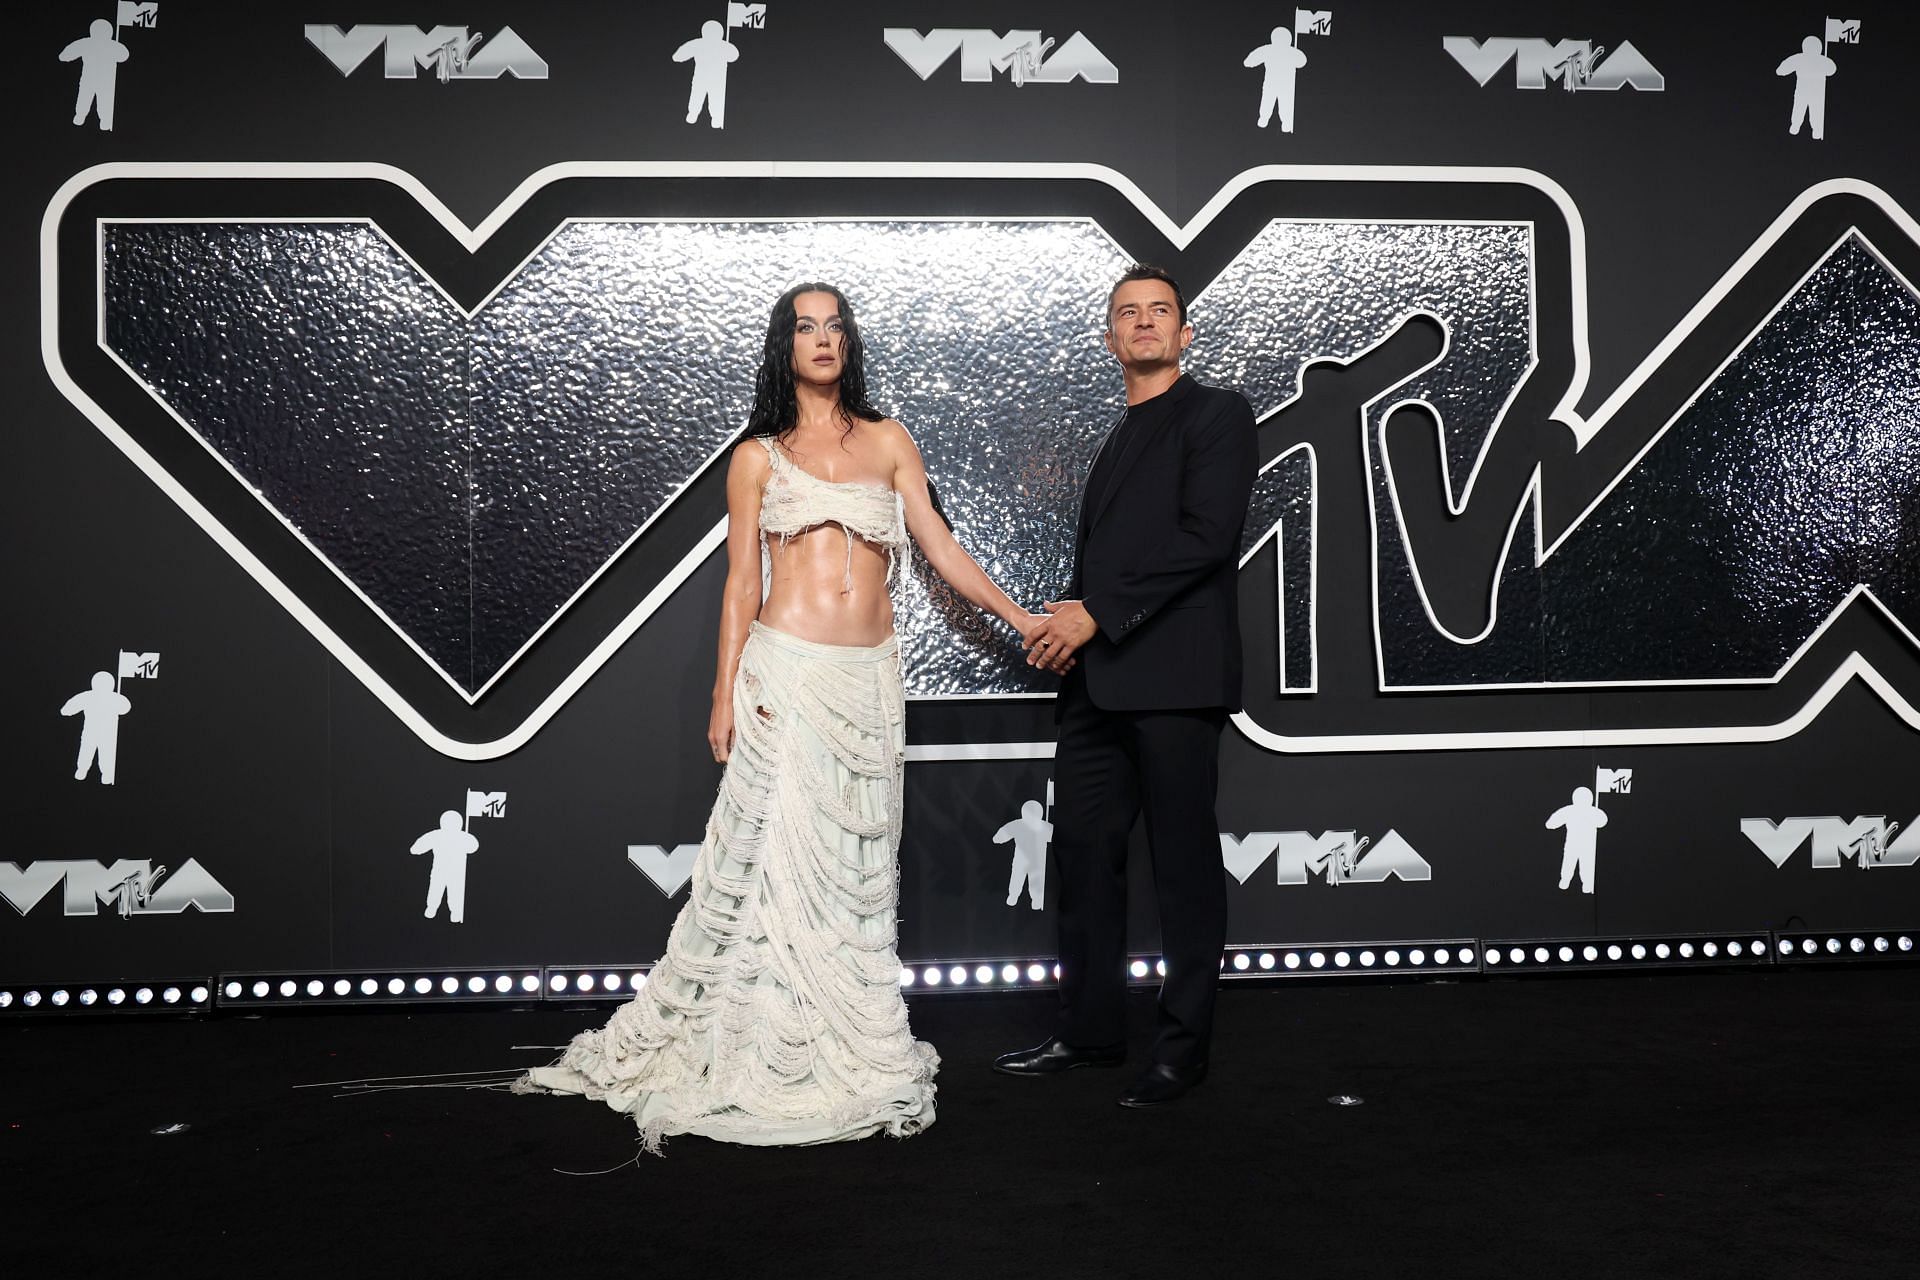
808	595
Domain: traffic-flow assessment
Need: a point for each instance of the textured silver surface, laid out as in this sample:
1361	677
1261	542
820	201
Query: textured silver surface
1793	478
470	476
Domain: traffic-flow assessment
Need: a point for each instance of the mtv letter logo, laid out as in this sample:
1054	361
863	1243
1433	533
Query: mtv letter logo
1619	781
753	16
447	51
1843	31
668	871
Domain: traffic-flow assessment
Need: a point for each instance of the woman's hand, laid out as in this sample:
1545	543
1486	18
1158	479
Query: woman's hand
1027	625
720	727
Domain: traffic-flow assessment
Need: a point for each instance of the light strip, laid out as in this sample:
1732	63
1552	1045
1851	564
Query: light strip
1637	951
1406	959
1848	946
162	995
377	986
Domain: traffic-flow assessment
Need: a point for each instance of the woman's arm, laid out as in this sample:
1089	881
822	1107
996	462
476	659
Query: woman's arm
740	598
936	541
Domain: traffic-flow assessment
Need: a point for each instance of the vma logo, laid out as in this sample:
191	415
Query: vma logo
1867	842
1338	857
1023	55
449	52
1574	64
131	886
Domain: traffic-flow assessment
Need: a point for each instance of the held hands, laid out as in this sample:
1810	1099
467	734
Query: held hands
1054	640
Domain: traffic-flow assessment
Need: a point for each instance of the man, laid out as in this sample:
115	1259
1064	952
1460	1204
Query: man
1149	643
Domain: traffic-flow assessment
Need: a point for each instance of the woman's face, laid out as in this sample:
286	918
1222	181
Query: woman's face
819	339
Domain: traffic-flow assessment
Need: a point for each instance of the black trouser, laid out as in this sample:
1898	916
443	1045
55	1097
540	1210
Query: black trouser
1109	766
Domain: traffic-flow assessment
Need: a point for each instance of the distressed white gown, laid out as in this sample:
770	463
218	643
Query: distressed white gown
775	1016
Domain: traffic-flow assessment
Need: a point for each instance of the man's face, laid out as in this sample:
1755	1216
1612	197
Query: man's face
1143	326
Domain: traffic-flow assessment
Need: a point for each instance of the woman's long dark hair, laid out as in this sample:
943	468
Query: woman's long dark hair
775	403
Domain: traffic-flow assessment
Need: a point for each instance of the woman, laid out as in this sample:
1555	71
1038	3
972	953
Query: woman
775	1017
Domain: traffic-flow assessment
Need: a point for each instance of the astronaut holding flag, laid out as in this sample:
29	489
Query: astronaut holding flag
450	843
1282	60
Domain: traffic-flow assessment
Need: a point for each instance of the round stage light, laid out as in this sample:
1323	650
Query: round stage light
1880	944
1266	960
1566	955
422	986
1366	959
449	985
1734	948
1137	969
288	989
1241	962
1589	953
1857	945
1493	955
984	974
906	976
1906	943
1341	959
637	981
1465	956
1036	972
31	1000
1709	949
1009	973
1160	968
315	986
1662	950
1786	945
143	996
476	984
396	986
170	996
584	982
932	976
1833	946
957	975
60	998
1686	951
89	997
1416	957
6	999
342	987
1056	972
1316	959
530	982
1519	954
610	983
1808	946
1440	956
1293	959
1392	958
558	982
200	995
503	984
231	991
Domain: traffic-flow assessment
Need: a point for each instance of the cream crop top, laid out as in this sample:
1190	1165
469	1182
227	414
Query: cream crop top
795	500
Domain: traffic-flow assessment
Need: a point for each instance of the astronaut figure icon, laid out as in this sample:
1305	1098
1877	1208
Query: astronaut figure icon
100	708
1283	60
1580	819
710	55
99	56
1810	69
449	845
1030	833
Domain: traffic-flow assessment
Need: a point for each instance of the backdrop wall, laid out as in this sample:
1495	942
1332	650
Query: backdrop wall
372	385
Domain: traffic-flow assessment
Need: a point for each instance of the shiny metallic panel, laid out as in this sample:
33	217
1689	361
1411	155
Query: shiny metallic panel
1792	479
1314	290
317	363
550	428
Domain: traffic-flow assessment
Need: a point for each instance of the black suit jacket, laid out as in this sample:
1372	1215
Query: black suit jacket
1156	562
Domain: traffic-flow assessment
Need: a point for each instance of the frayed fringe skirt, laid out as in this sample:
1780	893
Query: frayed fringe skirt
775	1016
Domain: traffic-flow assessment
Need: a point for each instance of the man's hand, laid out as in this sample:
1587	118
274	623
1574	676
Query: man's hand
1068	626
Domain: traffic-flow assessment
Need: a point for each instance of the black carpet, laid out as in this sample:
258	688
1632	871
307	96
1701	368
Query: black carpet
1704	1124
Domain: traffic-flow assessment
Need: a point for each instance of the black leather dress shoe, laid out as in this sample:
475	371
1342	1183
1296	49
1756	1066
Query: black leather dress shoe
1160	1084
1055	1056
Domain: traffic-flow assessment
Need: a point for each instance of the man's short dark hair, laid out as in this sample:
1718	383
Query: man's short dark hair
1144	271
